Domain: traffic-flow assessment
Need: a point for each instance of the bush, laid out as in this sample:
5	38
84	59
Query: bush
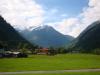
20	55
97	51
24	51
62	50
52	51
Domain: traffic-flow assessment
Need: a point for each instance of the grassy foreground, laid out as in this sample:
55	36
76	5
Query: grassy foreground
43	62
68	73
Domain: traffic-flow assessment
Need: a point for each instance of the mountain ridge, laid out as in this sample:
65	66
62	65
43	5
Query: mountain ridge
47	36
9	36
88	40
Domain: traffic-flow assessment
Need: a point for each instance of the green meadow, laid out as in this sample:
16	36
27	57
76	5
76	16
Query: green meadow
44	62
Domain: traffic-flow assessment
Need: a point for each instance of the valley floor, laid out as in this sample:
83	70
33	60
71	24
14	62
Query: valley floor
50	63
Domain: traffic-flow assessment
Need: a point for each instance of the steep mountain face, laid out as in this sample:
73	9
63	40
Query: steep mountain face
89	39
9	36
47	36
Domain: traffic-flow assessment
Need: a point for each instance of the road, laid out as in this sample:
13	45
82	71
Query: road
56	71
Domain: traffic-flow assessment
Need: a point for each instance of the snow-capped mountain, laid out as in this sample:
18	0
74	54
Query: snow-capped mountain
46	36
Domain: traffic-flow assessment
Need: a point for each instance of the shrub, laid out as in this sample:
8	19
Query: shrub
97	51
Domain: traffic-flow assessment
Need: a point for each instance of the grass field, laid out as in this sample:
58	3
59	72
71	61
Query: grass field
43	62
68	73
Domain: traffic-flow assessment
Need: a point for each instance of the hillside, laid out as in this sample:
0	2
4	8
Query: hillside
9	37
89	39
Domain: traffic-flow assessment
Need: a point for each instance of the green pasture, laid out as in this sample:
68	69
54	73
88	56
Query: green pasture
44	62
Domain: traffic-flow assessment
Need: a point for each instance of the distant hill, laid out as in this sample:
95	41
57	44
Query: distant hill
47	36
89	39
9	36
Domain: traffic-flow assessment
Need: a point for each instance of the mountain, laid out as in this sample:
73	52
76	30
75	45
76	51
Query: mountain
47	36
89	39
9	36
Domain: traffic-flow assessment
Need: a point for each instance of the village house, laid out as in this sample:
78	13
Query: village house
42	51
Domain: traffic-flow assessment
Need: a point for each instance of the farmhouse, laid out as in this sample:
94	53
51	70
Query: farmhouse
42	51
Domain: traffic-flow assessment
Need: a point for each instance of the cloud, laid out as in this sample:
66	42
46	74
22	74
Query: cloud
93	2
66	25
28	14
75	25
92	13
22	13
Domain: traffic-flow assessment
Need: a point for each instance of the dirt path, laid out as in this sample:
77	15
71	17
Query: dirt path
56	71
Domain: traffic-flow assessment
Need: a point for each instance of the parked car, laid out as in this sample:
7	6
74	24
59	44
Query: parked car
9	54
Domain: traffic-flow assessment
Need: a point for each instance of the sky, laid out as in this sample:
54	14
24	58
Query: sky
69	17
